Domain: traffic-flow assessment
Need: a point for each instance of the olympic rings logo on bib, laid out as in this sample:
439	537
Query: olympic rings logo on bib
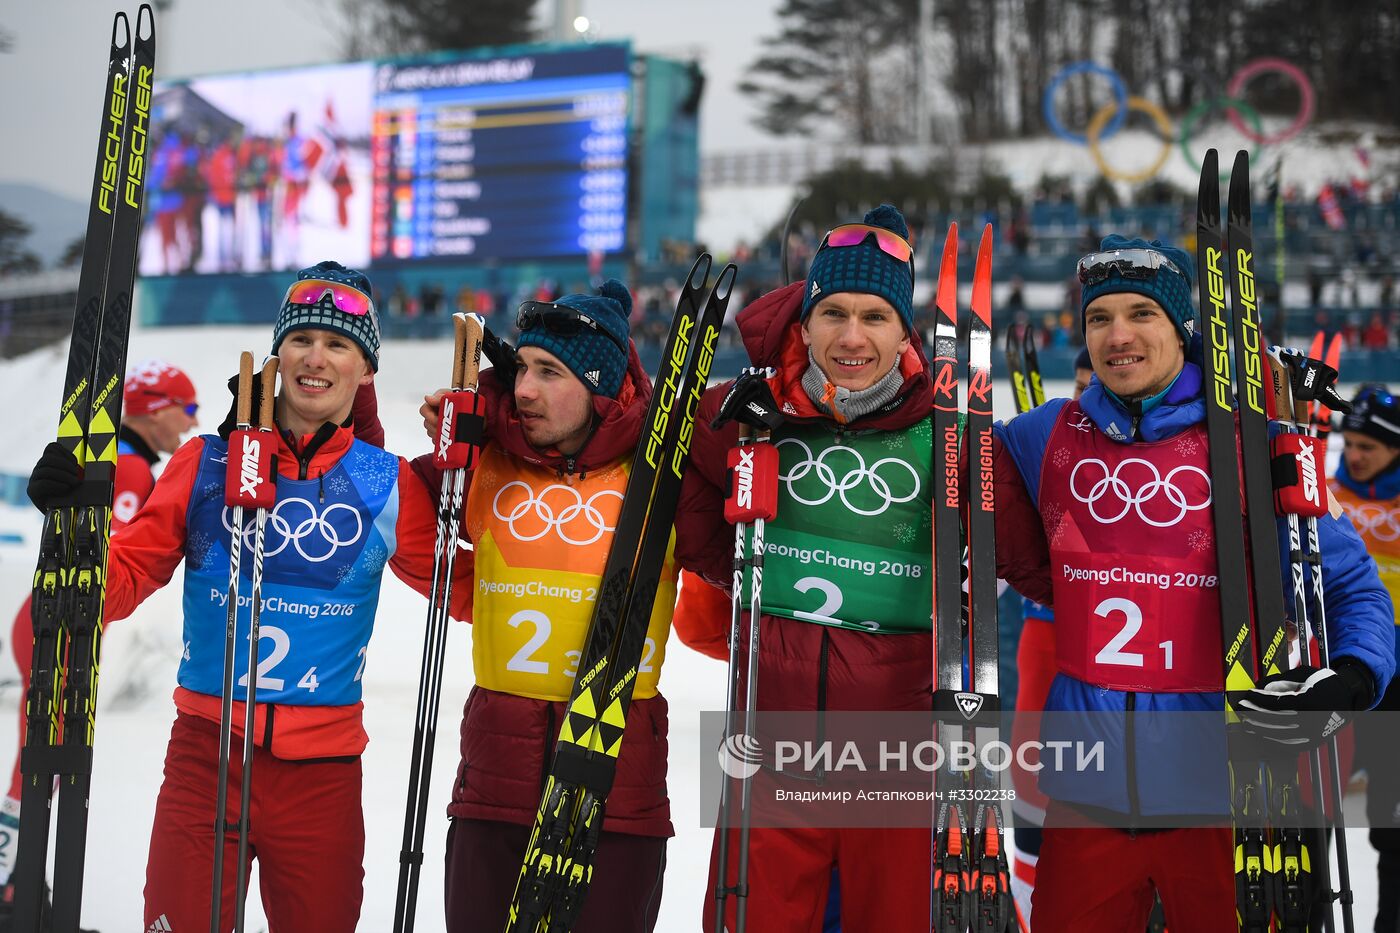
286	526
1111	117
577	522
1121	495
829	485
1374	519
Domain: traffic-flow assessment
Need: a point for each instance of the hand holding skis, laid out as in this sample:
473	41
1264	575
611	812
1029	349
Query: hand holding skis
1302	707
55	477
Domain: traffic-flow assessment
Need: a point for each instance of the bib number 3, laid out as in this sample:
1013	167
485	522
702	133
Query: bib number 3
1113	652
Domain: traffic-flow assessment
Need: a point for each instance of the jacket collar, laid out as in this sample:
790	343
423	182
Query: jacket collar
772	334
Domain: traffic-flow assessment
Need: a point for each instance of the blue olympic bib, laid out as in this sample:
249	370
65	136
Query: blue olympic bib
325	545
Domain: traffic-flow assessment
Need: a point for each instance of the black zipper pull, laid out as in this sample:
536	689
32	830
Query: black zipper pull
322	479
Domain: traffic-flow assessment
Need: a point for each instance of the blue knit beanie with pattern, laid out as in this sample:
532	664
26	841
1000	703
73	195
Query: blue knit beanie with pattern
361	328
1171	291
599	361
865	268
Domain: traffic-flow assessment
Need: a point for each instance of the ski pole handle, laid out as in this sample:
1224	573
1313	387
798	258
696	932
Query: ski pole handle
461	412
470	332
248	477
753	479
245	390
269	393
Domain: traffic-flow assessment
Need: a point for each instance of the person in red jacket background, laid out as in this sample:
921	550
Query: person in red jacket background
345	510
159	405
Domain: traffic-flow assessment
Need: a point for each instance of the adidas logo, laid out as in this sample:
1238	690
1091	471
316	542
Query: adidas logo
788	407
160	925
816	289
593	376
1334	722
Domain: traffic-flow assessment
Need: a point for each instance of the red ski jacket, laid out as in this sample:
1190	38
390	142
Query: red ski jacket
145	554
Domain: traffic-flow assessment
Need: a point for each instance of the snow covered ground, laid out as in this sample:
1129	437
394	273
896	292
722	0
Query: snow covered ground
141	654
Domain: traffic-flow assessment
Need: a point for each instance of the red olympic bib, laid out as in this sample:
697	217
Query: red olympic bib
1132	551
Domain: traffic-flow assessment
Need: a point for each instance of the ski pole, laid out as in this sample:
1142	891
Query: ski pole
1289	849
457	449
257	446
243	424
1311	384
752	500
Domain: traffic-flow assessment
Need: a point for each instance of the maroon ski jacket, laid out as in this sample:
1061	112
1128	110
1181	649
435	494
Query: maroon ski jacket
804	665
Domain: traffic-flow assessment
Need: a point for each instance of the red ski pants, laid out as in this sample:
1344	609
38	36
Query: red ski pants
306	830
884	879
1099	880
22	644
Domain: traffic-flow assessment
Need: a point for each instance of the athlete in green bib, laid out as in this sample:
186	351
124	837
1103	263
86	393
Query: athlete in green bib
847	590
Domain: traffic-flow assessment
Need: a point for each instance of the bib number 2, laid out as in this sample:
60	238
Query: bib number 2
525	661
1113	652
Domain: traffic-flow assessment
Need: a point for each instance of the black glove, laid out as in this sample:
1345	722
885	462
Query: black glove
1301	708
230	422
56	476
750	401
502	356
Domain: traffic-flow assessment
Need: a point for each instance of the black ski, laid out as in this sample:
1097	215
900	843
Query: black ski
558	860
993	911
1237	623
1289	886
70	577
1023	363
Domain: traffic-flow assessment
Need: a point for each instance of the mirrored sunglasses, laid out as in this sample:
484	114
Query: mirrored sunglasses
560	320
1139	264
320	291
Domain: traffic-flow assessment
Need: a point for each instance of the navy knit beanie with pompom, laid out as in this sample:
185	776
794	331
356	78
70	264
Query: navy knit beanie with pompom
598	359
865	268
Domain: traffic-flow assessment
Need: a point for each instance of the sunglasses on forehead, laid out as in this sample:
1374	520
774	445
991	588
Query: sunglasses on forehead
343	297
1140	264
561	320
890	243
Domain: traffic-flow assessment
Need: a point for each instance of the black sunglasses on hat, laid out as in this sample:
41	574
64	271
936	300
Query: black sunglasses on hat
1141	264
561	320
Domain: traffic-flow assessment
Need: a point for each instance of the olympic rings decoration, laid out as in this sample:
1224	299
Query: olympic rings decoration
1113	486
1120	98
1260	66
1096	132
1233	105
1112	116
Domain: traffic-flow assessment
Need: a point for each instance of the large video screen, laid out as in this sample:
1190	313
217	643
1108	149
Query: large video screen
508	157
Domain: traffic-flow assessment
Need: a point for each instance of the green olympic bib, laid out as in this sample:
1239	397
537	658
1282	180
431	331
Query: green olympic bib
852	543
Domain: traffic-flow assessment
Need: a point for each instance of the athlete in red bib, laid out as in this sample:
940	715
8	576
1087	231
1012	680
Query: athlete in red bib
1103	513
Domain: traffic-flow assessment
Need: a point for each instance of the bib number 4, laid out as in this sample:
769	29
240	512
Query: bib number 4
1114	652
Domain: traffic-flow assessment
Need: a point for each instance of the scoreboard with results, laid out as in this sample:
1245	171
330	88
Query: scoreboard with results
503	158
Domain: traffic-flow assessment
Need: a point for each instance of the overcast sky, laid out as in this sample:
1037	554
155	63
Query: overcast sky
51	79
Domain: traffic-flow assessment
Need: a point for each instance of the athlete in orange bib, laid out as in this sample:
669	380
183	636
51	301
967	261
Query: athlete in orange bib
563	418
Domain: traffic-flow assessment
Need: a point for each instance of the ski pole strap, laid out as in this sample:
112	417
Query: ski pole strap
248	478
462	422
753	483
1297	486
